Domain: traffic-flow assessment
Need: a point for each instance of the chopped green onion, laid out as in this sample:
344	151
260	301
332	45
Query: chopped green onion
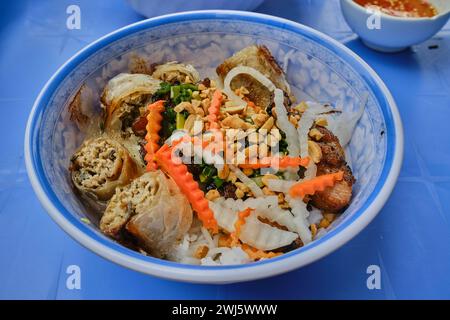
203	178
174	92
180	119
207	173
218	182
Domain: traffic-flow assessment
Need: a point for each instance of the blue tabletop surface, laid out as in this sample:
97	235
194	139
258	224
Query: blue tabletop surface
409	240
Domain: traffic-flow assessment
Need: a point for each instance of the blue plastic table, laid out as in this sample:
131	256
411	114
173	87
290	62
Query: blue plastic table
409	239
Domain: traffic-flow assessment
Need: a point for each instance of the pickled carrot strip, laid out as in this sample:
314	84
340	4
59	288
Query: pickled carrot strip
242	215
310	187
188	186
214	110
154	119
280	162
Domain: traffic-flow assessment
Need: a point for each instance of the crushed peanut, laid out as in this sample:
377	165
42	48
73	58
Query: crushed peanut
268	192
242	186
196	103
284	205
315	134
233	109
268	124
201	252
224	241
301	107
239	193
199	111
322	122
212	195
265	179
324	223
205	104
234	122
232	177
281	199
259	119
313	230
314	151
196	95
184	106
293	120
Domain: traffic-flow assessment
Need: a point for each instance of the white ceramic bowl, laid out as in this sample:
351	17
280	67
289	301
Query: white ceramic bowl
317	66
394	33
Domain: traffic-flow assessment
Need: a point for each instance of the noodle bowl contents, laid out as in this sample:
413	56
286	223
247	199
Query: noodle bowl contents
214	172
401	8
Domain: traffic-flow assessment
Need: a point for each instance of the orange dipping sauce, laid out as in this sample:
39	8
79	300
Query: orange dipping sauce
401	8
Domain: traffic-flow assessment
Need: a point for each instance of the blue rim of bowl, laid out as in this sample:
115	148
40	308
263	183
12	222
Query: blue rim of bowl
111	250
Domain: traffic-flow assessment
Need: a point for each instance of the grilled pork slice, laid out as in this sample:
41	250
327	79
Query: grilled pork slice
336	198
100	166
259	58
153	210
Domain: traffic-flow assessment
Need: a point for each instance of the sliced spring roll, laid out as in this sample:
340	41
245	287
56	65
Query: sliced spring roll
176	72
125	98
100	166
153	210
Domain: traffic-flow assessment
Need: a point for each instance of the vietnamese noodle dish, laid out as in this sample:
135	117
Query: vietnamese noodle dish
227	169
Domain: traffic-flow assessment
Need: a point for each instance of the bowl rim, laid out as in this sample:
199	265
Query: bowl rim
115	252
362	10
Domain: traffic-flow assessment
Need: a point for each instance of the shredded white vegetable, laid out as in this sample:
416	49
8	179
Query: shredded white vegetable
315	216
342	125
263	236
208	238
300	217
311	171
278	185
306	121
226	256
285	125
257	234
225	216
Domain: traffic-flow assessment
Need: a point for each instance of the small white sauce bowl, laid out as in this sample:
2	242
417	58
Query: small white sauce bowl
387	33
